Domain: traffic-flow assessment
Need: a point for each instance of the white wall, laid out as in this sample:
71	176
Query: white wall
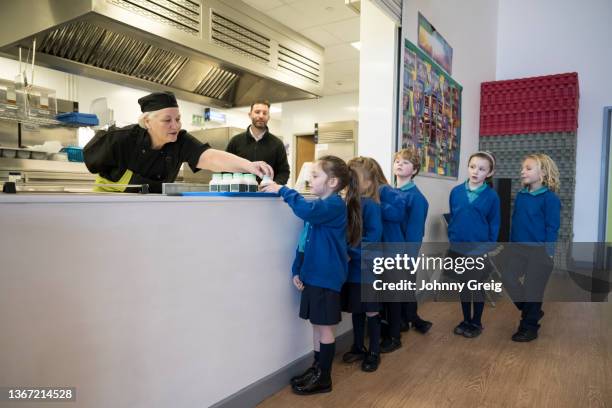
470	27
555	36
377	85
299	117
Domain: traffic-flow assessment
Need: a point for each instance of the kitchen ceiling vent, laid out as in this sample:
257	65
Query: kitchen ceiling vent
92	45
298	64
239	39
184	15
214	52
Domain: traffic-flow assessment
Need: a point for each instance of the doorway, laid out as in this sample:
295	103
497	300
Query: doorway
304	152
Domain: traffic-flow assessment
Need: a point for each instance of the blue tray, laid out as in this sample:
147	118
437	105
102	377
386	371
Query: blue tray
227	194
87	119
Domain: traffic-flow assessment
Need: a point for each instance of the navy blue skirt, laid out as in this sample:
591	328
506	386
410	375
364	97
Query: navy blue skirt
320	306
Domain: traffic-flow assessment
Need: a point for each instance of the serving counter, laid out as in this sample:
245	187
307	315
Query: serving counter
147	301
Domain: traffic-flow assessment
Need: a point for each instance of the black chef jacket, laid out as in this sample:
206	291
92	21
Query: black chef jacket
269	149
117	152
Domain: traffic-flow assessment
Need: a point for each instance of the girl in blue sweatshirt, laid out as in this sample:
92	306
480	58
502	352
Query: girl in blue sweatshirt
474	218
535	224
321	264
351	291
406	165
392	208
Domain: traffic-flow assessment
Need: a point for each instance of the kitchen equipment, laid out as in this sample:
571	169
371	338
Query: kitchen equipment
216	52
78	118
75	154
9	153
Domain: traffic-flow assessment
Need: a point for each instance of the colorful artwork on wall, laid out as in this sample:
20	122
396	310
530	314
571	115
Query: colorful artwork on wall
431	114
434	45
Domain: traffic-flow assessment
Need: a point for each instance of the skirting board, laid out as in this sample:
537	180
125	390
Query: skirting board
255	393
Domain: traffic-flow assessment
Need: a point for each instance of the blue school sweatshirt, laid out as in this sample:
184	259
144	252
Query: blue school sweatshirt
371	232
413	223
477	221
536	218
324	262
392	207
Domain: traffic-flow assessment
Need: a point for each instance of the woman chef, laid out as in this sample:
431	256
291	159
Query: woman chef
153	151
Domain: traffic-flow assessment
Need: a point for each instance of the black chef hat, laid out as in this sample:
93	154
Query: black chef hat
157	101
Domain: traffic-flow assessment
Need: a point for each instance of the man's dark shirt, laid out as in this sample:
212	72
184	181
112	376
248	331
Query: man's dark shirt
269	149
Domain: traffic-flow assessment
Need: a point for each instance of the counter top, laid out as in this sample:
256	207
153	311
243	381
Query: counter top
32	198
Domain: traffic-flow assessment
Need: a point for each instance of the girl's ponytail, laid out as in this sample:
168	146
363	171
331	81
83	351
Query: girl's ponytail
353	204
334	166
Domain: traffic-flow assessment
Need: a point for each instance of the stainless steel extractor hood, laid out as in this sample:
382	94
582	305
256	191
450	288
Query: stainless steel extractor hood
214	52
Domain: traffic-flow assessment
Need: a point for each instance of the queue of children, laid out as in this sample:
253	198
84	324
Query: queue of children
356	204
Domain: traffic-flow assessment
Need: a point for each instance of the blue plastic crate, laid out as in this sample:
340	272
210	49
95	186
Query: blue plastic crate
78	118
75	154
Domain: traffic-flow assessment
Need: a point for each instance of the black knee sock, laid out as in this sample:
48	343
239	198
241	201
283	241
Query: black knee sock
395	317
358	329
316	357
374	333
326	358
466	307
410	310
478	308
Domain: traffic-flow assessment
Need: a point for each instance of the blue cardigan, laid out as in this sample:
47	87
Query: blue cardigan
413	223
474	222
324	262
392	207
536	218
371	232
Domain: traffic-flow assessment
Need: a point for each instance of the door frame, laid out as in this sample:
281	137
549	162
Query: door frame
294	173
603	179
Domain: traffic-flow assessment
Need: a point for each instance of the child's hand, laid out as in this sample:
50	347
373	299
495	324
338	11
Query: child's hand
298	283
271	188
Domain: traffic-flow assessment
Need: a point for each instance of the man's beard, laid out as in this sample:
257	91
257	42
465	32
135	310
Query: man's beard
262	125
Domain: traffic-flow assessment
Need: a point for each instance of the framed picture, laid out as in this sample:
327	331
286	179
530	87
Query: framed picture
434	45
430	114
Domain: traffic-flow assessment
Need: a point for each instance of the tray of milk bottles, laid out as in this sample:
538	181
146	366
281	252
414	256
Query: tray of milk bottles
233	185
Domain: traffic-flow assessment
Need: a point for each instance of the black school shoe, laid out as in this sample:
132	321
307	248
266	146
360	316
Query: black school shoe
354	354
305	376
370	362
422	326
315	385
473	330
524	335
390	344
461	328
404	327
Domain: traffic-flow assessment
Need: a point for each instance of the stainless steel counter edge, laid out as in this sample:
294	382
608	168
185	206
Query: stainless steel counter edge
118	198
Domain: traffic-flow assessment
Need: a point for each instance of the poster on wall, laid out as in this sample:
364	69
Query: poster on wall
431	114
434	45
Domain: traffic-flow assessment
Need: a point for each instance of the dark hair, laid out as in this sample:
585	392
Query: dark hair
367	167
260	102
488	156
334	166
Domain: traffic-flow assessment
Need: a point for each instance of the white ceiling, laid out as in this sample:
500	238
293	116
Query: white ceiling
330	24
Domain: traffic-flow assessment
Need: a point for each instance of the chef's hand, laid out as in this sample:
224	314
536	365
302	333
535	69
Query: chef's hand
271	188
298	283
261	168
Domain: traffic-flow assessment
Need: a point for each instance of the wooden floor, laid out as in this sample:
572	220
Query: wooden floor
569	365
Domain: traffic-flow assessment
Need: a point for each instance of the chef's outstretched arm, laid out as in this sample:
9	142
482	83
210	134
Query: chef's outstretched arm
218	160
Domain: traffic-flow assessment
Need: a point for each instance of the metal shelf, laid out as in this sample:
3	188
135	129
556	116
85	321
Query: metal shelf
46	122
